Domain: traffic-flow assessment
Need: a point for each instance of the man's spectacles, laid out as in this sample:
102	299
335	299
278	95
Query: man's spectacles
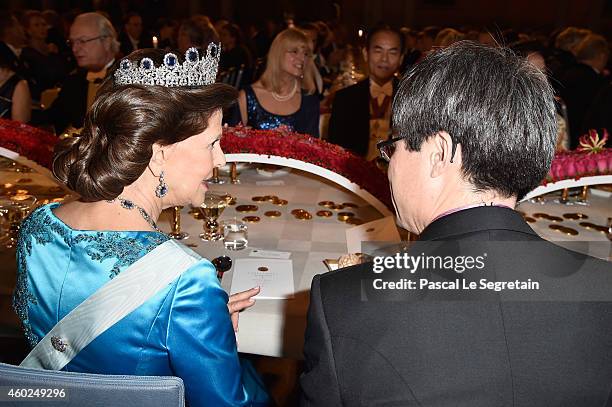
81	42
387	148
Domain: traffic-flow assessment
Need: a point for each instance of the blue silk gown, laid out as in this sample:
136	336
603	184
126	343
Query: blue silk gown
184	330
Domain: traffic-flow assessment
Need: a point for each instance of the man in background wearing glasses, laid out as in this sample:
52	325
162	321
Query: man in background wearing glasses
93	41
475	131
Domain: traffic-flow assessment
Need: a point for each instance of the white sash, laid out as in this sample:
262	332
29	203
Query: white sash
113	301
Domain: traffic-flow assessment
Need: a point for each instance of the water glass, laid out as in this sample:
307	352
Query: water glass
234	234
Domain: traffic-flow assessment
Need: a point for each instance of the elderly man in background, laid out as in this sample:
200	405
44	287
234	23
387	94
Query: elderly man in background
361	113
474	131
94	43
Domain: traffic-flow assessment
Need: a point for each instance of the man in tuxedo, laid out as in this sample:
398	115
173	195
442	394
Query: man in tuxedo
12	40
582	82
476	131
361	113
94	43
132	37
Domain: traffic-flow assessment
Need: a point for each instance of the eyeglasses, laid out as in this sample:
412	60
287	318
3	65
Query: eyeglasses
80	42
387	147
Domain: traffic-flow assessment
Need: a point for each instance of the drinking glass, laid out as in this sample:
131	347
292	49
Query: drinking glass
234	234
175	225
212	207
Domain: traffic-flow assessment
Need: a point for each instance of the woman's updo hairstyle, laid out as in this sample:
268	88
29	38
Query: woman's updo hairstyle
115	145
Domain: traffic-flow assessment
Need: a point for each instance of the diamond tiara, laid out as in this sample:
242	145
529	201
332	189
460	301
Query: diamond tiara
193	72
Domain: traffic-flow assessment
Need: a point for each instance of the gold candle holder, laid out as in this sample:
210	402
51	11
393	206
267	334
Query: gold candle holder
215	177
175	224
584	195
234	174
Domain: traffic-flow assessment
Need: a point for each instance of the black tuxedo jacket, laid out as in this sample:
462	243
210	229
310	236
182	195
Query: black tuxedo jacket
18	65
405	349
126	46
581	85
349	124
70	106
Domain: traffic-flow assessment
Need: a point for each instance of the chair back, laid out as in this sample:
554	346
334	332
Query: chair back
84	389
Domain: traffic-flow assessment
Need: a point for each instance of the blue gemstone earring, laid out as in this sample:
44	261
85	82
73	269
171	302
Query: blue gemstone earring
162	188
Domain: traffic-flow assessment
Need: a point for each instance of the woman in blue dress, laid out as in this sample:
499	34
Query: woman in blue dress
285	93
143	148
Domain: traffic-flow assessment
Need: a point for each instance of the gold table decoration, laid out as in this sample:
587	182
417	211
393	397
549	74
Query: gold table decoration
258	199
564	230
529	219
592	226
326	204
246	208
280	202
575	216
273	214
175	225
325	214
303	215
251	219
344	216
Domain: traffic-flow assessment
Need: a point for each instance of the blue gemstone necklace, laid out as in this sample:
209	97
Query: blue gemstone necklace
127	204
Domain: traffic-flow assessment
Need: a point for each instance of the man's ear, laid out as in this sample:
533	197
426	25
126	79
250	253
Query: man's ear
441	154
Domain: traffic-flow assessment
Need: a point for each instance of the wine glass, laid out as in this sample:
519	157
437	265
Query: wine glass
212	207
175	225
13	210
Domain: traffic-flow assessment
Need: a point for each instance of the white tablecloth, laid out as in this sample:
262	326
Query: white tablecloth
276	327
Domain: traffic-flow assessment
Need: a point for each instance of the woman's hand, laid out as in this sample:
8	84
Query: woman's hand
239	302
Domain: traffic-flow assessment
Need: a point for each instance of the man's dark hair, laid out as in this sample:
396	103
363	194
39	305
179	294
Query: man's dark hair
7	20
496	105
385	28
128	16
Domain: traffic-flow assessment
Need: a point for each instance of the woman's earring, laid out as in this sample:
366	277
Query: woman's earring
162	188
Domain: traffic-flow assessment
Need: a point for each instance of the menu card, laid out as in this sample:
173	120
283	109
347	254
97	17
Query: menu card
274	276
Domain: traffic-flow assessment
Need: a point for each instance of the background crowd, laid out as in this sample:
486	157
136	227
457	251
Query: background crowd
307	75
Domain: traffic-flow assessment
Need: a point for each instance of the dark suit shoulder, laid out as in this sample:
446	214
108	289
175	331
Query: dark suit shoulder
350	92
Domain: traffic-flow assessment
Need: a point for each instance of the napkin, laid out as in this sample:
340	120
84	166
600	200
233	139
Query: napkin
274	276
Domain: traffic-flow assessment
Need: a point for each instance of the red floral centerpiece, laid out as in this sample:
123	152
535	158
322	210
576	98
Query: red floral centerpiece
284	143
590	159
30	142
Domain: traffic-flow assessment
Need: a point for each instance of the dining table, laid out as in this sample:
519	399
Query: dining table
275	327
